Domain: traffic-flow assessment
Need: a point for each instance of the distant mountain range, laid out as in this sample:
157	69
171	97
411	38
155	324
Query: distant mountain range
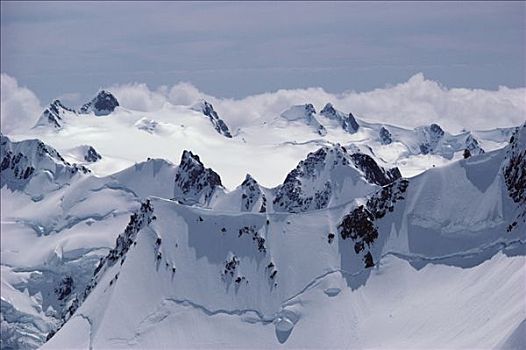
361	235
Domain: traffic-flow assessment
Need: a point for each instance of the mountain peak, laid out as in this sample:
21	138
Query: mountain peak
347	122
102	104
207	109
307	114
194	184
54	115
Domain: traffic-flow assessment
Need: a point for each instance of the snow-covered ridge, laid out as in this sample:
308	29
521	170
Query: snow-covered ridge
207	109
57	115
34	166
245	260
329	176
307	114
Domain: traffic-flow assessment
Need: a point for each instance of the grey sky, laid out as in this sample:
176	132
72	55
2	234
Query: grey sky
238	49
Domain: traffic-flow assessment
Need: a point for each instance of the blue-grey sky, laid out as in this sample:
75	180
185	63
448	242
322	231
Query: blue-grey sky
235	49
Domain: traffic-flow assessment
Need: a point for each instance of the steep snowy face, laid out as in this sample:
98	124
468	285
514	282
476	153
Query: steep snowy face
31	162
102	104
252	195
208	110
54	115
347	122
305	113
194	184
330	174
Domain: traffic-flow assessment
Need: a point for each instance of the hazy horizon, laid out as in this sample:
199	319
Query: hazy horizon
234	50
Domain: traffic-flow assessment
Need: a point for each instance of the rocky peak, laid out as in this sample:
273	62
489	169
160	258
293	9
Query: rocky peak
307	114
473	146
91	155
347	122
430	137
311	184
20	161
515	167
252	195
194	184
102	104
373	172
54	115
207	109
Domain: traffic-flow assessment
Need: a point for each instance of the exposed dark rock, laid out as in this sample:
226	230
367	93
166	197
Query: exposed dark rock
53	115
219	125
473	146
92	155
373	172
252	231
19	161
251	193
290	196
466	153
64	289
230	266
359	224
347	122
385	136
515	168
193	182
103	104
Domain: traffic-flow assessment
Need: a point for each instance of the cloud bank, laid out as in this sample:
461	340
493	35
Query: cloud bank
20	107
416	102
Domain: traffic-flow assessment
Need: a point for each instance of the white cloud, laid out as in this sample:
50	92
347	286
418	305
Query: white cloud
20	107
139	97
416	102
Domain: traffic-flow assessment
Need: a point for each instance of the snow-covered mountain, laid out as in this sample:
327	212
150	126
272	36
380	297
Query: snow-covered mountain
346	233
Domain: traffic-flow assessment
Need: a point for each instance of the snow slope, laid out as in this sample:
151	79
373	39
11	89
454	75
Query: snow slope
324	244
187	276
281	140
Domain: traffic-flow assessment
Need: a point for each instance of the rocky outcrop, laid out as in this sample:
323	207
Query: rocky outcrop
514	169
251	195
385	136
359	224
373	172
91	155
473	146
194	184
431	136
208	110
54	115
347	122
292	197
102	104
20	161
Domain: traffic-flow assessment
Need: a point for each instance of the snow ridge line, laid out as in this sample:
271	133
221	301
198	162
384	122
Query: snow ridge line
499	245
236	312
